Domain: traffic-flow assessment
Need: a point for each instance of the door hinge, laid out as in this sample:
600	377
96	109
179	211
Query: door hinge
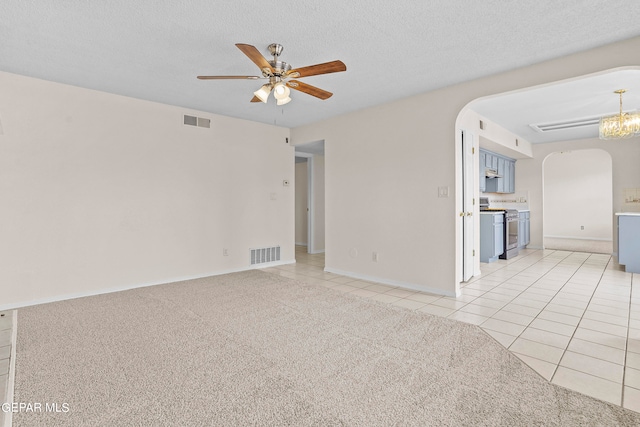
474	201
473	150
474	252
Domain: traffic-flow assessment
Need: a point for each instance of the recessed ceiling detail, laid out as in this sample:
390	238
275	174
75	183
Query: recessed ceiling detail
566	124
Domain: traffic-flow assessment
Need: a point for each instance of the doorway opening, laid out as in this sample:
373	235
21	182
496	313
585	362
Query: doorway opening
302	201
309	197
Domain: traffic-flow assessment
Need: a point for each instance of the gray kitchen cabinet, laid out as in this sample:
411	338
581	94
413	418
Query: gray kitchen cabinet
502	171
482	167
628	241
505	167
488	159
512	177
491	236
524	229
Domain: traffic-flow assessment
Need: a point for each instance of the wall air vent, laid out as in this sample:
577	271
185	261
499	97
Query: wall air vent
197	121
262	255
566	124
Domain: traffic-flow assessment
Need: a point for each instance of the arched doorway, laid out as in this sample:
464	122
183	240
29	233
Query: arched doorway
588	96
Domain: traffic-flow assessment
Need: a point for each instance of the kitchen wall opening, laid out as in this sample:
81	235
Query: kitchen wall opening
578	201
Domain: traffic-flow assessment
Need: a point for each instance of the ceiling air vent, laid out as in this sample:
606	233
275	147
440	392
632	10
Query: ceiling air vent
197	121
567	124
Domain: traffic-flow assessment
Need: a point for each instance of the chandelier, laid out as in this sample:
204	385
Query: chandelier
623	125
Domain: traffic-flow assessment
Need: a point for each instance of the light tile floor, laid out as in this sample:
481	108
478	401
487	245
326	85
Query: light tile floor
573	317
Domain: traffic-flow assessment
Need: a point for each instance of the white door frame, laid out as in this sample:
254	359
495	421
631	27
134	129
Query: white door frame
310	204
468	152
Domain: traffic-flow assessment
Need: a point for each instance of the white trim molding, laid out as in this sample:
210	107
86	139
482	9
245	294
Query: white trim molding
64	297
400	284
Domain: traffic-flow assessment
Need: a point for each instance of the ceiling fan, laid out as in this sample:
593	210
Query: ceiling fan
280	75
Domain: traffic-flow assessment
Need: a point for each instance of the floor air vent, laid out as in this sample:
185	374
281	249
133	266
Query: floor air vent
259	256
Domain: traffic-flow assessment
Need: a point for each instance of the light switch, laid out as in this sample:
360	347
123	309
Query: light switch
274	196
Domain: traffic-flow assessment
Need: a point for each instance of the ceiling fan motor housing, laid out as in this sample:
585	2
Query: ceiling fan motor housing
275	49
279	69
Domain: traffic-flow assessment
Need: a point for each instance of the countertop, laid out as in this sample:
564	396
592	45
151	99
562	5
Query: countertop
627	213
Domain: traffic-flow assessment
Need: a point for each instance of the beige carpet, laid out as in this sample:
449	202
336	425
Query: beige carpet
257	349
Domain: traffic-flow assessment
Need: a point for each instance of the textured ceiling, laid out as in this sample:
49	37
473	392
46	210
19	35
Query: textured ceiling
153	50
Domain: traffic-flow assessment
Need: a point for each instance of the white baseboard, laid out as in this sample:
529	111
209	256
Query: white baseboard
75	295
301	244
317	252
11	380
600	239
400	284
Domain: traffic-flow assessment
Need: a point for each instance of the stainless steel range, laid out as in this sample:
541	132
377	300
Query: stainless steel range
511	219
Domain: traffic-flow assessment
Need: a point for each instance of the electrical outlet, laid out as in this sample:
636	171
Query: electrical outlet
443	191
225	252
582	227
374	257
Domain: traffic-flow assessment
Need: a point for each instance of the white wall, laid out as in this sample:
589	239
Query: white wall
381	194
577	189
101	192
385	164
499	140
302	202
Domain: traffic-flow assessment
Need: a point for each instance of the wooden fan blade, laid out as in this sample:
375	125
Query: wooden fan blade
255	99
314	70
255	55
227	77
311	90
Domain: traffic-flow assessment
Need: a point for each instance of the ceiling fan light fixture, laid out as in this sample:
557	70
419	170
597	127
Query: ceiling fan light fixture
278	72
281	92
622	125
283	101
263	92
